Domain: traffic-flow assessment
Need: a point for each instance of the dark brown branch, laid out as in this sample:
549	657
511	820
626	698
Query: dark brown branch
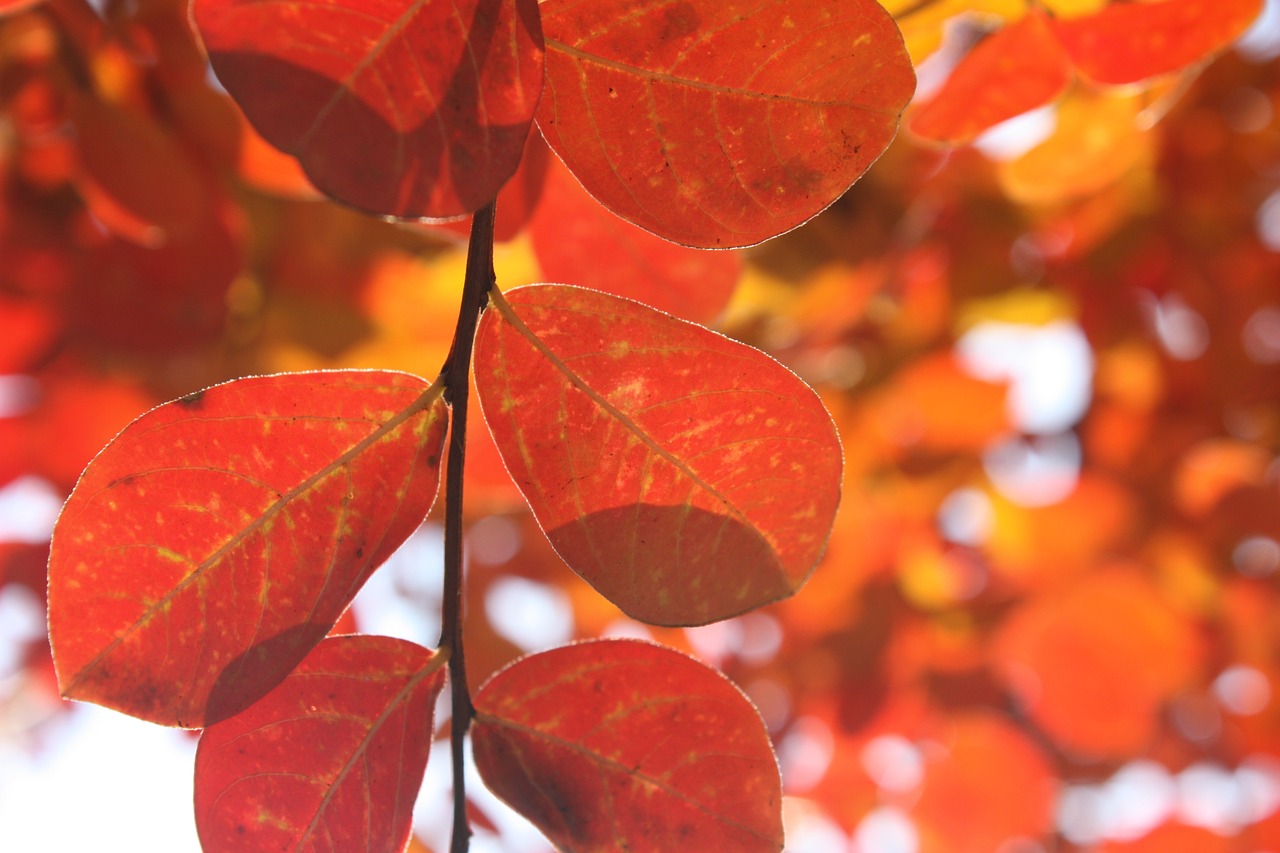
456	375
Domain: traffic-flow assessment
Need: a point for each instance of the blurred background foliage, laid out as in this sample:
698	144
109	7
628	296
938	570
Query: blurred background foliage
1047	618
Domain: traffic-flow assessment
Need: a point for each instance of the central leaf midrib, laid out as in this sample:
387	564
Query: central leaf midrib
620	416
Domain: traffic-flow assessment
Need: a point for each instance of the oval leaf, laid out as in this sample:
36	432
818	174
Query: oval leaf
576	240
627	745
686	476
719	124
331	759
1128	42
407	108
1017	69
218	538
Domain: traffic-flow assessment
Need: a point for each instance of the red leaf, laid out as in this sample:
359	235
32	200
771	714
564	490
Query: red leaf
516	200
1128	42
686	476
218	538
135	177
626	745
9	7
54	439
1017	69
715	123
28	329
330	760
579	242
408	108
149	301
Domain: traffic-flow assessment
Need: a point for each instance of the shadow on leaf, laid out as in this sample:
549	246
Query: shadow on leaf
674	565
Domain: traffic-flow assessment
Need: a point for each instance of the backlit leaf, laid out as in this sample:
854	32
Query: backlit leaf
715	123
116	303
217	539
1108	641
1017	69
53	439
515	202
966	805
9	7
579	242
1171	838
406	108
686	476
1128	42
329	760
1099	138
134	175
626	745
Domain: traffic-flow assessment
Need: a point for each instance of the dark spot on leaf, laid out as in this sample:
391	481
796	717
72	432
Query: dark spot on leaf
360	552
680	20
192	401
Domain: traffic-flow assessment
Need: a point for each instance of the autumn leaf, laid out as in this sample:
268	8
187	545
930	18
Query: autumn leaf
966	808
579	242
406	109
1017	69
626	745
27	329
135	176
1099	138
1130	42
114	307
219	537
516	201
1106	641
10	7
719	124
331	759
687	477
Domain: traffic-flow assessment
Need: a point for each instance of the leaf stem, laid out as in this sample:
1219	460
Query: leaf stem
456	376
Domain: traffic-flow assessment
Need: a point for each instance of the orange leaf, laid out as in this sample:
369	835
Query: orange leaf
28	328
686	476
1019	68
403	109
10	7
935	404
1129	42
54	439
579	242
218	538
626	745
1107	642
331	759
719	124
992	785
1172	838
1099	139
